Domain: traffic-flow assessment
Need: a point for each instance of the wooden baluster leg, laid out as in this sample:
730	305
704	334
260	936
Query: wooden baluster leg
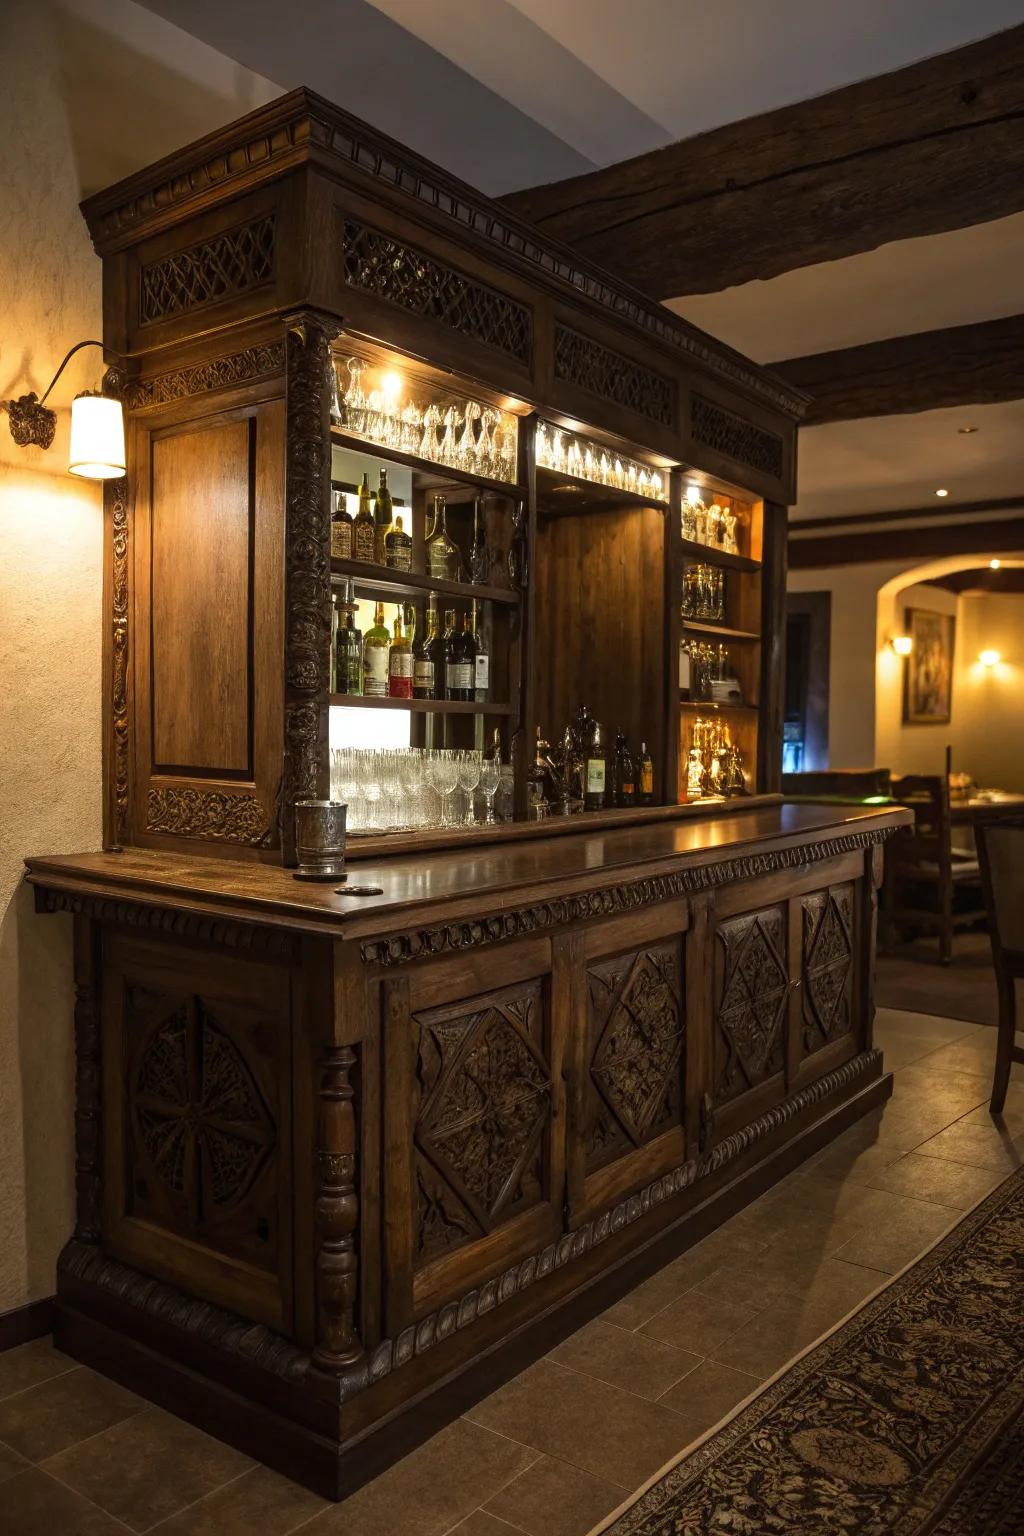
337	1214
1007	1033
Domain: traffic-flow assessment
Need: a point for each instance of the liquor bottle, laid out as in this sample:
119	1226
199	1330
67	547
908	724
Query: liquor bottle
594	779
348	671
458	663
341	529
400	664
443	561
376	655
426	667
625	774
685	669
363	527
398	547
382	514
479	554
482	662
646	794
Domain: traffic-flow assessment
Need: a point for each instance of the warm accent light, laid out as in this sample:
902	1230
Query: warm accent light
942	493
964	431
693	494
902	644
994	565
391	386
989	658
97	437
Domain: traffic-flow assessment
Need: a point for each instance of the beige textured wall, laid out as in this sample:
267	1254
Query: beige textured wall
988	704
88	92
913	748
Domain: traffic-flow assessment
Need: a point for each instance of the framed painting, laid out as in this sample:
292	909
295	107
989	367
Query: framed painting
928	670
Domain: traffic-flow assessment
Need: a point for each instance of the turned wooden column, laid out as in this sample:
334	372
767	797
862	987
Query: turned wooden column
337	1214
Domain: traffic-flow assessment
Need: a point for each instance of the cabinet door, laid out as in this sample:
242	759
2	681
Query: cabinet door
473	1156
629	1094
197	1122
752	986
831	1023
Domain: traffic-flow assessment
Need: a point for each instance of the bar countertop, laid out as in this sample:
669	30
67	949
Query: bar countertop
445	886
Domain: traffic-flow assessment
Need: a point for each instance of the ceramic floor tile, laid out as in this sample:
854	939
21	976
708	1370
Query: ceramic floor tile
977	1146
788	1273
480	1523
35	1505
639	1305
934	1179
708	1396
30	1364
607	1432
976	1055
910	1025
954	1092
1012	1116
10	1463
148	1467
776	1335
433	1488
258	1503
624	1359
698	1321
59	1413
889	1245
554	1498
859	1163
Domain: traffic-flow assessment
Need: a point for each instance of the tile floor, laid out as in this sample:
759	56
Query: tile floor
554	1450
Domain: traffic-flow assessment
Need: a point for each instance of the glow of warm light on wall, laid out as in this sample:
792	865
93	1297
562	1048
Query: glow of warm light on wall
989	658
902	644
391	386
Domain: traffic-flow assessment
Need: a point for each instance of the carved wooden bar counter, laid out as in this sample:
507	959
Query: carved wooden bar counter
343	1163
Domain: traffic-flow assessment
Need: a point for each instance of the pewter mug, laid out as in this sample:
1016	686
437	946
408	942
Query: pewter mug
320	839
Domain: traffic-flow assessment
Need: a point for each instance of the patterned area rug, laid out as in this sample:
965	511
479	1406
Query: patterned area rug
908	1420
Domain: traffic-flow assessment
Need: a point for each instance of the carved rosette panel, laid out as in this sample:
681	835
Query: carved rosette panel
735	437
589	365
215	269
393	271
218	373
750	1014
636	1032
214	815
827	965
200	1125
483	1114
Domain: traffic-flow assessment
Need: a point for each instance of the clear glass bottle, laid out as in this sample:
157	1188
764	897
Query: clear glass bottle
376	656
398	547
479	555
363	527
442	555
482	661
400	664
341	528
382	519
348	654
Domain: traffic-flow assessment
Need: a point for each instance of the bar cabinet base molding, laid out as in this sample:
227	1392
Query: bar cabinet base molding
253	1390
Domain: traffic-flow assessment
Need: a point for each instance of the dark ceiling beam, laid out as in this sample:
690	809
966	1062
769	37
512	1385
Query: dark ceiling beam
962	365
878	544
933	147
1010	579
937	512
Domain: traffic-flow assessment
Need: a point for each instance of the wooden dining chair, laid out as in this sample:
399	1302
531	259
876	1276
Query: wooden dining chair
1001	856
923	870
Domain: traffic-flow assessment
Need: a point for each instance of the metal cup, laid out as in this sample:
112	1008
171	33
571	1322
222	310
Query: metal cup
320	839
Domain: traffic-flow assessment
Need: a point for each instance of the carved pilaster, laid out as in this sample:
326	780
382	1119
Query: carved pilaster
874	874
88	1087
307	661
337	1213
116	494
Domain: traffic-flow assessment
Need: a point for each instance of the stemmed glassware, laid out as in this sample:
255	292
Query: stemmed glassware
395	789
443	768
490	775
469	777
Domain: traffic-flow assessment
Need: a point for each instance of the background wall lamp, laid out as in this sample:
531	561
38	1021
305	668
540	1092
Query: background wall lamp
97	424
989	658
902	644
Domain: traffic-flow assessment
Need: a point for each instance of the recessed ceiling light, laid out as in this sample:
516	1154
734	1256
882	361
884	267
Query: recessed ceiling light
994	565
942	493
964	430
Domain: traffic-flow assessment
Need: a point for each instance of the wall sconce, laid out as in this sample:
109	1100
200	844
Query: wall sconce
902	644
97	424
989	658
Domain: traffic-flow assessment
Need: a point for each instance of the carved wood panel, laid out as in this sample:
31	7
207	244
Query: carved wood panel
735	437
483	1116
589	365
218	268
827	965
751	997
636	1031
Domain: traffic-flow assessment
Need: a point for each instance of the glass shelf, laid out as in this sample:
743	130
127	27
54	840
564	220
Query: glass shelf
392	583
420	706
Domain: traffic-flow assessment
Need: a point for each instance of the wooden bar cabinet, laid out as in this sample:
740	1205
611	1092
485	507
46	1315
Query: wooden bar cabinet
344	1163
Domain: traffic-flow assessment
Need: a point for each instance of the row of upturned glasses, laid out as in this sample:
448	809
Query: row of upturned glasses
395	789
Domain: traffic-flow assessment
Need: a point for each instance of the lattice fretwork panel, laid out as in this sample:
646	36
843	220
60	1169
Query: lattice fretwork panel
827	961
750	1011
397	273
218	268
589	365
482	1122
736	438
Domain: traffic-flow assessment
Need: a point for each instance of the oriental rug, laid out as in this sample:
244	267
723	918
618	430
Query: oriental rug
906	1420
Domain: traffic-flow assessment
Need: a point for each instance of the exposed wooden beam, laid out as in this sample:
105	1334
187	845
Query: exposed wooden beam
962	365
937	511
870	548
1009	579
936	146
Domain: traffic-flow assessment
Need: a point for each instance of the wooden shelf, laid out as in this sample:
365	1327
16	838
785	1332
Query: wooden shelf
698	627
559	494
419	706
708	554
431	474
392	583
704	704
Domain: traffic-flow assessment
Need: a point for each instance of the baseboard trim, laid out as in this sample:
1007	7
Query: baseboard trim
21	1324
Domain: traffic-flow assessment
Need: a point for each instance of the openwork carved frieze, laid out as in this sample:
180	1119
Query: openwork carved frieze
215	815
116	497
377	263
636	1030
735	437
828	951
218	268
398	948
198	1116
587	364
750	1012
219	373
484	1107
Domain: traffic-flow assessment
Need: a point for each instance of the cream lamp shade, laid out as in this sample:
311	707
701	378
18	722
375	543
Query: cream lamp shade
97	437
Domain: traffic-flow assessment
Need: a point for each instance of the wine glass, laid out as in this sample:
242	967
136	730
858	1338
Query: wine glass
370	782
490	774
469	778
411	768
444	773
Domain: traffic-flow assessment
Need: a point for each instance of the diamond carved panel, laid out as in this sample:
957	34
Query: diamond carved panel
483	1114
751	1010
827	961
637	1032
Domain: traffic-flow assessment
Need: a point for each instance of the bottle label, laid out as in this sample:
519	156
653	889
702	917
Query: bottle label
399	556
362	542
341	539
482	673
458	676
379	547
401	663
595	775
375	671
647	779
423	677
